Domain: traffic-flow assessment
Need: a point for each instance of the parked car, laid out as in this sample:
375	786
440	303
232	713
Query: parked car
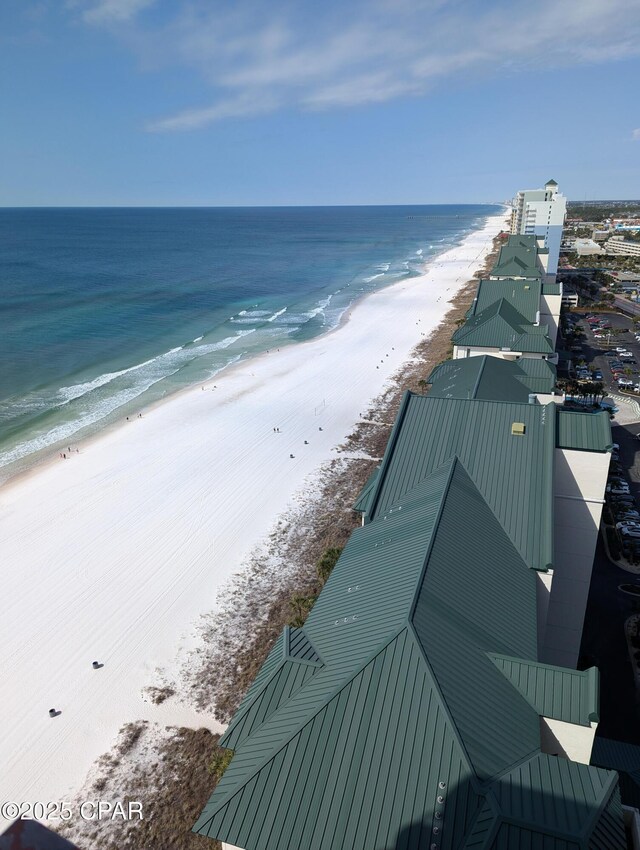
631	516
605	404
628	525
612	488
597	375
625	382
610	354
633	533
620	348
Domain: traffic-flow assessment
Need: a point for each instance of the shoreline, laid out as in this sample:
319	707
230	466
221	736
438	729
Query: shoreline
48	456
170	535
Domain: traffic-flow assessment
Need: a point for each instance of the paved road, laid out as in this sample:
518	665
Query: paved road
628	306
603	640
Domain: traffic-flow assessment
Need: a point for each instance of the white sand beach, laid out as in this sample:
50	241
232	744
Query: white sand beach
113	554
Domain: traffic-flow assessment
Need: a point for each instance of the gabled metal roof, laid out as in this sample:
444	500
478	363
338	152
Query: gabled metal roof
491	378
555	692
623	757
388	744
524	295
518	258
514	473
362	503
589	432
501	326
547	779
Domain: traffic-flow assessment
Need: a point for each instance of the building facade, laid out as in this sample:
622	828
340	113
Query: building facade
541	212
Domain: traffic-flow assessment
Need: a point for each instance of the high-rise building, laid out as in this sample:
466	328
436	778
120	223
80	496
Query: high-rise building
541	212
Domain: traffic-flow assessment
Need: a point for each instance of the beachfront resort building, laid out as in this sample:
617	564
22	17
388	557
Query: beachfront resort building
501	330
431	699
411	710
541	212
417	704
526	258
516	311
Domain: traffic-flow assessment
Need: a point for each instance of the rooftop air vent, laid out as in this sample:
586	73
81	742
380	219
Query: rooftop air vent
518	429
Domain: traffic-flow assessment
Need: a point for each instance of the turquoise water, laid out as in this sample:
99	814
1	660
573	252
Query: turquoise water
106	310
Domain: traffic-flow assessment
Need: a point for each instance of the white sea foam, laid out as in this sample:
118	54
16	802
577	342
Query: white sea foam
197	339
277	315
66	430
150	372
373	277
68	394
384	267
419	252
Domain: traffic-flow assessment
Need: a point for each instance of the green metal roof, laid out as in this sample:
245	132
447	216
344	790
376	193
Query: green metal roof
492	378
592	801
407	730
554	692
625	758
363	501
501	326
551	288
524	295
518	258
514	473
589	432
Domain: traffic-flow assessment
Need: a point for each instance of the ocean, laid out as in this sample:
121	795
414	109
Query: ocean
105	311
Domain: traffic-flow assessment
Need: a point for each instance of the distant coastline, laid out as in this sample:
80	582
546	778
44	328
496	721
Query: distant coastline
51	414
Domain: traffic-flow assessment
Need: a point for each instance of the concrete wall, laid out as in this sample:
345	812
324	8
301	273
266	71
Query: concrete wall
464	351
567	740
579	483
544	583
550	314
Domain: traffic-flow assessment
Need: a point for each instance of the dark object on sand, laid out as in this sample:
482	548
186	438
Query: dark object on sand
291	455
52	712
306	442
96	665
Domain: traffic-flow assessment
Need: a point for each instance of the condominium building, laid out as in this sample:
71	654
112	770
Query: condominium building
622	247
541	212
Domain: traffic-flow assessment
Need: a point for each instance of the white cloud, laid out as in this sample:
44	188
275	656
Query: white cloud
635	135
191	119
262	55
114	11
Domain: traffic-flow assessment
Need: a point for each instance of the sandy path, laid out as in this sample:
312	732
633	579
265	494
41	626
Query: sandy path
113	554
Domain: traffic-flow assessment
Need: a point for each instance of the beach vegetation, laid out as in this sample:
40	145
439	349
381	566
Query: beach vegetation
300	608
327	562
220	762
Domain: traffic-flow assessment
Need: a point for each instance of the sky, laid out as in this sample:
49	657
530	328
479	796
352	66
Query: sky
287	102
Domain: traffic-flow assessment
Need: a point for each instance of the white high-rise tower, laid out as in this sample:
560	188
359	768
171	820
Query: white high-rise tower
541	212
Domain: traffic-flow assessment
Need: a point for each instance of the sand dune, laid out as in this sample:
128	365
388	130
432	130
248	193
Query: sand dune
113	554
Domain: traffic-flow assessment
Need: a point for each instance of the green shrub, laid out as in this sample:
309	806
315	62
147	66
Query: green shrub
300	607
327	562
220	762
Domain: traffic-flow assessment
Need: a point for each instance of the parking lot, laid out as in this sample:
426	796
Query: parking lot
599	352
609	607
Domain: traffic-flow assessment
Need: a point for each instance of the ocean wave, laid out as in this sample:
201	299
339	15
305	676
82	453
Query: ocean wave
67	394
384	267
197	339
158	369
373	277
419	252
66	430
277	315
